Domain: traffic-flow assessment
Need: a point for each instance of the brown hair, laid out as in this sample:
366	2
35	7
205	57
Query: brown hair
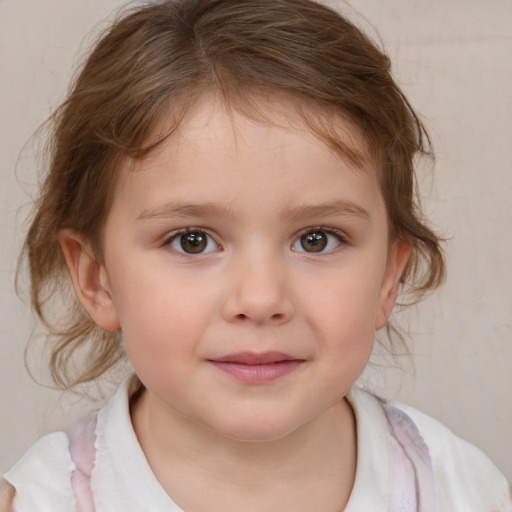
161	58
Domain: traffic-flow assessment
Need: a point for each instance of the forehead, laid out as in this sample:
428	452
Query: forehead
275	152
333	127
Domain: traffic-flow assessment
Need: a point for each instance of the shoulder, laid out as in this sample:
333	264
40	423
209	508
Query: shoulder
465	478
7	494
41	478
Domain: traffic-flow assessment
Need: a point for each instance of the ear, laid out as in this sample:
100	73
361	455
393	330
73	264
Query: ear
399	255
90	280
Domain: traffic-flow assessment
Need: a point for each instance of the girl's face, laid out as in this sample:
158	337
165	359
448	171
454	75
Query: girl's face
248	268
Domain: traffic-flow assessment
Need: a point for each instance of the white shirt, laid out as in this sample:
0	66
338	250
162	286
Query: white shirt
465	479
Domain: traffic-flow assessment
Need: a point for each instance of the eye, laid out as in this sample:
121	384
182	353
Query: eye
193	242
317	241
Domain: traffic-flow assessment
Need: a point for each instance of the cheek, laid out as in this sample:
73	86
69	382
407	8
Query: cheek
343	312
159	344
161	317
348	299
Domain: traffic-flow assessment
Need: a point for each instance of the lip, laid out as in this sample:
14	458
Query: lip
252	367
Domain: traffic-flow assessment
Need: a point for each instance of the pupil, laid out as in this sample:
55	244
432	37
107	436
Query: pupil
314	242
193	243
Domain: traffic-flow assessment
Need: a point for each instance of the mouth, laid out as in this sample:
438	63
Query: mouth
254	368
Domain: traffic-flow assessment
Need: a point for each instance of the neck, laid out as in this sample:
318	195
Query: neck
312	468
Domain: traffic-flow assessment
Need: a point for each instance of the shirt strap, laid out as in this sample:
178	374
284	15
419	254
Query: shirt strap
412	474
82	438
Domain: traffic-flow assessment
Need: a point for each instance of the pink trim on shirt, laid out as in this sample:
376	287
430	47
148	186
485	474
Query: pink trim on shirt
412	485
82	437
413	488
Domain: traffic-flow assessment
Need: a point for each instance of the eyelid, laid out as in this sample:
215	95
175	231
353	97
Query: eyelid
337	233
341	237
171	237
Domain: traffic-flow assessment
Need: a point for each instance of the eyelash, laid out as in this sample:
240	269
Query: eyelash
189	230
339	235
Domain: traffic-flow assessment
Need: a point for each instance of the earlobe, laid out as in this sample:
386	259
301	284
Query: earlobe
90	280
397	261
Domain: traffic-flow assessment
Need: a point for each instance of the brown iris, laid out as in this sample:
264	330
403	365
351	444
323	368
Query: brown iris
314	242
194	243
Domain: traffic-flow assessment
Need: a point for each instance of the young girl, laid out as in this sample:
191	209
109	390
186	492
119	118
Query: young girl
231	197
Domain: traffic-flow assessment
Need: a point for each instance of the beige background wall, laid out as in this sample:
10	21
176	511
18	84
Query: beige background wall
454	60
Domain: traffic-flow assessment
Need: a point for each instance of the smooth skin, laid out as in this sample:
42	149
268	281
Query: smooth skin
243	236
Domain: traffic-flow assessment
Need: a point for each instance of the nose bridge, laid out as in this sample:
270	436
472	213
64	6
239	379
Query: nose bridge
259	287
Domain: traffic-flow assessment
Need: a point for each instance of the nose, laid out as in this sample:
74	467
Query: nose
258	292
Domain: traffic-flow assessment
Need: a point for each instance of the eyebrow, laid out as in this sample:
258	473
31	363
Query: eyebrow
183	210
331	209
